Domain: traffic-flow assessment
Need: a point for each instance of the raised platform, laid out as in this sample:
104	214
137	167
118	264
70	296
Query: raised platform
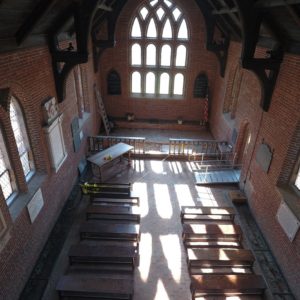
159	124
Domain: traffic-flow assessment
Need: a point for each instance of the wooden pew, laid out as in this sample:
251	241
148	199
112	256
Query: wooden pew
219	257
91	286
98	199
108	231
113	213
116	189
221	285
202	213
211	232
109	257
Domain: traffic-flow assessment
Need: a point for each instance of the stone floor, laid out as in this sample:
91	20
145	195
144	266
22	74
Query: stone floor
163	187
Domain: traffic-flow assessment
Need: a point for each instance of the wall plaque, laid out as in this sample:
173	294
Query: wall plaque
50	110
264	157
35	205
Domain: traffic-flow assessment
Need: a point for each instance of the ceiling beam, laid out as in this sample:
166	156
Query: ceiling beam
275	3
41	9
266	69
294	14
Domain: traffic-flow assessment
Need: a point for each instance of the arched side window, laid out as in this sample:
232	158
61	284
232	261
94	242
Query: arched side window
6	177
21	137
113	83
159	44
201	86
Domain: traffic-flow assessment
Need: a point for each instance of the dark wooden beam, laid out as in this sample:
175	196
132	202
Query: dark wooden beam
294	14
275	3
111	18
265	69
64	60
219	48
35	16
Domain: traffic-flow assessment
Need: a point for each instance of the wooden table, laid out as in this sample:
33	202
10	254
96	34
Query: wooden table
108	155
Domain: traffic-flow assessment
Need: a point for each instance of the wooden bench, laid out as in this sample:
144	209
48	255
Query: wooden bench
234	285
115	256
91	286
113	213
211	231
104	189
202	213
108	231
96	199
219	257
219	243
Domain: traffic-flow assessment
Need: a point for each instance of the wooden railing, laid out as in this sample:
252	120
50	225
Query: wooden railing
98	143
190	147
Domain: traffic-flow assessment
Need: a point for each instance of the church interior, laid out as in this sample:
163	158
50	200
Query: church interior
149	149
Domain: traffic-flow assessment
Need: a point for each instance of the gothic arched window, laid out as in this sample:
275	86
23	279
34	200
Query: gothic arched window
159	40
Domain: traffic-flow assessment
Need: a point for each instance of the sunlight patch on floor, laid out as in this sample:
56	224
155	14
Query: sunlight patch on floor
157	167
205	196
162	201
145	255
138	165
140	189
184	196
172	251
161	293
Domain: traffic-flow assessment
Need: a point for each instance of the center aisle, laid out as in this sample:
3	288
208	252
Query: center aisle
164	187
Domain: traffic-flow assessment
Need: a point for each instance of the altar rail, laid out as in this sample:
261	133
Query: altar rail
190	147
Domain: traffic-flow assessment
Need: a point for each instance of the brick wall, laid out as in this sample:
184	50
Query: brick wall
276	128
28	75
199	60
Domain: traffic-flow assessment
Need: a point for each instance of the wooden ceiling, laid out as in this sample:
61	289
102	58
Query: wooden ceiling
26	23
273	24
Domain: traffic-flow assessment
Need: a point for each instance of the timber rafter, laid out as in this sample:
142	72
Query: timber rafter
63	60
110	17
220	47
266	69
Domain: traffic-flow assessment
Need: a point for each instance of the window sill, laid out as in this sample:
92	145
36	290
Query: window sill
156	97
22	199
291	198
229	121
83	120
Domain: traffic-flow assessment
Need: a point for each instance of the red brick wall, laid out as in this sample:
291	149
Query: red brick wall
276	128
199	60
28	74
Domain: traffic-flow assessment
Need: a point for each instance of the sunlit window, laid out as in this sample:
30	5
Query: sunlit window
150	83
160	13
20	134
144	12
180	56
151	55
151	32
5	176
178	84
164	83
167	31
136	82
183	32
297	182
136	29
165	59
136	57
159	40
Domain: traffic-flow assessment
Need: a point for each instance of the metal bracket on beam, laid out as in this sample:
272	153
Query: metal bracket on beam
63	61
266	69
